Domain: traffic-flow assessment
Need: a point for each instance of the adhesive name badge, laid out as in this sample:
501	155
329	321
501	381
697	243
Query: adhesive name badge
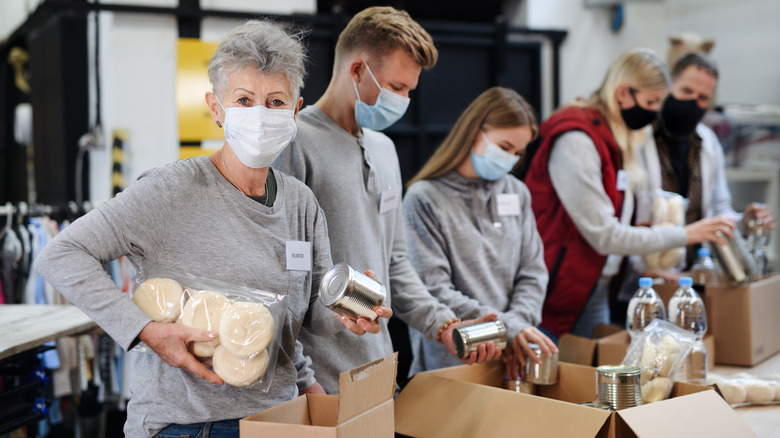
390	200
298	255
508	204
623	178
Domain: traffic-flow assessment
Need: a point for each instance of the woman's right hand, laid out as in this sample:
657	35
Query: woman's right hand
705	230
170	341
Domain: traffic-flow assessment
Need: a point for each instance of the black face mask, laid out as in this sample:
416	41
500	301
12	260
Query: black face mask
637	117
679	117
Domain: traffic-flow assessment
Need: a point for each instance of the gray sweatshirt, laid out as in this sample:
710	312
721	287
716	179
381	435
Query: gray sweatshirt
348	175
188	217
475	257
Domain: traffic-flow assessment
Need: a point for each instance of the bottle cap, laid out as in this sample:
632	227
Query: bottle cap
686	281
703	252
645	282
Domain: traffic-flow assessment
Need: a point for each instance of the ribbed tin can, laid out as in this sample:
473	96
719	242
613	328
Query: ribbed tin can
545	373
466	339
518	385
351	293
618	386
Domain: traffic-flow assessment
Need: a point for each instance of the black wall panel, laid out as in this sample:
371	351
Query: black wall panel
58	62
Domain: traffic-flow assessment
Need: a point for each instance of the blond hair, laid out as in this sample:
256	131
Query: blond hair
380	30
495	108
642	70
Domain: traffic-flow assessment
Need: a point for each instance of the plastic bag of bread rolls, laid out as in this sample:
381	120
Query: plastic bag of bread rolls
247	321
659	353
668	210
745	389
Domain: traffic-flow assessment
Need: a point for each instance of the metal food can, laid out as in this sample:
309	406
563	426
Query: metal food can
466	339
618	386
351	293
545	373
518	385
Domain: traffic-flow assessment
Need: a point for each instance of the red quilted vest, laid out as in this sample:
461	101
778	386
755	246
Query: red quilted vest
574	266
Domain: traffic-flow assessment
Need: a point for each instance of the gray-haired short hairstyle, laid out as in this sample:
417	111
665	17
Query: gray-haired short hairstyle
262	44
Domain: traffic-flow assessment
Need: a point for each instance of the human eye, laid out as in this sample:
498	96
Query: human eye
244	101
276	103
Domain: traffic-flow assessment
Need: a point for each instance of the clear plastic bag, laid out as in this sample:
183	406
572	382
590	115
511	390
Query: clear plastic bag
248	321
659	353
668	211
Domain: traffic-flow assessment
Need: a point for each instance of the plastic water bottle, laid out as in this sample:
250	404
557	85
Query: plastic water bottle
703	270
687	311
644	307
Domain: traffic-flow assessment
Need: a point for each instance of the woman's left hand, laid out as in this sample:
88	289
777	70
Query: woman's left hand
363	325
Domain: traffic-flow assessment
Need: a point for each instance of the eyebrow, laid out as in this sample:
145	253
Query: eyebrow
243	89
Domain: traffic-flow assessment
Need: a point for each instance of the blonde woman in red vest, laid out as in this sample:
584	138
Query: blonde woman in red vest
581	180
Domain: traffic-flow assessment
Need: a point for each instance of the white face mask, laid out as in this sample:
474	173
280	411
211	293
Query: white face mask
257	135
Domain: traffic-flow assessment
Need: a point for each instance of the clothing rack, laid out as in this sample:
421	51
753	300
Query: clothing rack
24	209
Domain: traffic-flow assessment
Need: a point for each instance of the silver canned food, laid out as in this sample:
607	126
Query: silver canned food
468	338
518	385
351	293
545	373
618	386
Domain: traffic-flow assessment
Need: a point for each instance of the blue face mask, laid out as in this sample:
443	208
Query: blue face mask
494	162
389	107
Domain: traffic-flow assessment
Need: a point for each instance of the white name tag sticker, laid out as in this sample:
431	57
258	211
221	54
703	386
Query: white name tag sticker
508	204
390	200
623	177
298	255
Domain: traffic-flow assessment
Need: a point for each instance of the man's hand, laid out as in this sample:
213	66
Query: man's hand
170	341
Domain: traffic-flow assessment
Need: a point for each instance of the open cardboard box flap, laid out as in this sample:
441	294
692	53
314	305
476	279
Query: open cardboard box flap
468	401
366	387
364	408
454	402
704	412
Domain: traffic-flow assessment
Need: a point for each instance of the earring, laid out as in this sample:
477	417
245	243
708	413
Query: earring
219	124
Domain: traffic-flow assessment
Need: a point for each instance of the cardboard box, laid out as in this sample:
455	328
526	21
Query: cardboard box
612	349
467	401
363	408
583	351
742	318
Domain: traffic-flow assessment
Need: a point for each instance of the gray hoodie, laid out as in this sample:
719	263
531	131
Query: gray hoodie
473	255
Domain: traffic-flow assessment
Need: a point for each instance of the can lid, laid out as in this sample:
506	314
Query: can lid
459	343
617	370
334	284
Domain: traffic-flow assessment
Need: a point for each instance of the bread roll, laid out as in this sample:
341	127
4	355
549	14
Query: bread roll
657	389
660	210
203	311
758	391
733	392
676	210
239	371
160	299
652	260
246	328
670	258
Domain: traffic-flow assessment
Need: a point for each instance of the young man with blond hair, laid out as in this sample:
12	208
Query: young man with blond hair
354	172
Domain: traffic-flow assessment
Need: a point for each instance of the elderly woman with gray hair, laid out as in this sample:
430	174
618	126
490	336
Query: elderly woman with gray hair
226	217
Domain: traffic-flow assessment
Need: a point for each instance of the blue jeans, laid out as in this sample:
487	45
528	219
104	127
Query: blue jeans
216	429
595	311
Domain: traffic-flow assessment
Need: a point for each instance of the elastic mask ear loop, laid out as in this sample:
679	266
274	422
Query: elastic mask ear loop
223	109
354	84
